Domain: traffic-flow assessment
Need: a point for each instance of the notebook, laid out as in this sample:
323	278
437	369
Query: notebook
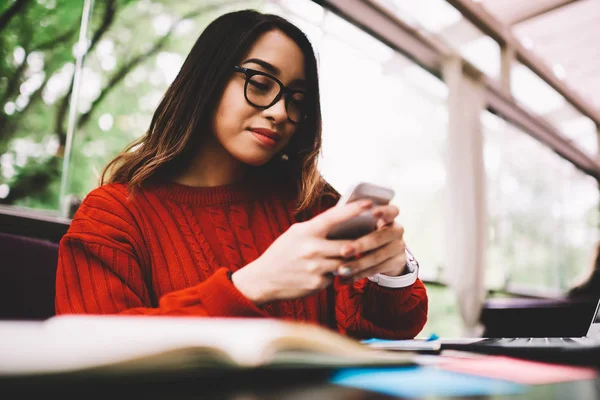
120	345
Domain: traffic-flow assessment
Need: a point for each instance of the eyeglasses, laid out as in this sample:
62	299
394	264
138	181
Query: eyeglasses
263	91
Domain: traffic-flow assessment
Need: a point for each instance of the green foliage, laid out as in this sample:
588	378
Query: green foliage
443	318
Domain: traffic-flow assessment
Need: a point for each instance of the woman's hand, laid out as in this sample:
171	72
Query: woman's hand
301	261
382	251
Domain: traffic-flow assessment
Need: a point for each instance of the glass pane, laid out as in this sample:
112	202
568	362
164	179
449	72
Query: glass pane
36	69
582	131
576	127
543	213
533	92
537	96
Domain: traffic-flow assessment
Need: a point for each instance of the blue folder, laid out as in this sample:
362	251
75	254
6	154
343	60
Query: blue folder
423	381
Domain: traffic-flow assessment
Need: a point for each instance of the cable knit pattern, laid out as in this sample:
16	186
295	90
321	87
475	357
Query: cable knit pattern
239	220
199	235
225	235
259	222
191	237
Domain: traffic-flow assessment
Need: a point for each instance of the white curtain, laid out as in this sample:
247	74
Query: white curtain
466	224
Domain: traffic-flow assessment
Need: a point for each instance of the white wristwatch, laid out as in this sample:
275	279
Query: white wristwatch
412	268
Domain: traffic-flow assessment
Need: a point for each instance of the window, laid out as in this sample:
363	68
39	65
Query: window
543	215
36	48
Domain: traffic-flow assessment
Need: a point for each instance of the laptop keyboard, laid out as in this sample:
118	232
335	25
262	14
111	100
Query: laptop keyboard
538	342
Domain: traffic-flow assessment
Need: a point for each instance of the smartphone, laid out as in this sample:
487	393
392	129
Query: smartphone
365	222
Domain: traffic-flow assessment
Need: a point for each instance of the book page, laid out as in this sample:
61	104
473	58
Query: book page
140	343
309	344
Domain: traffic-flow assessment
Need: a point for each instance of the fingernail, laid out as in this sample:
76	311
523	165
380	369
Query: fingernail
344	271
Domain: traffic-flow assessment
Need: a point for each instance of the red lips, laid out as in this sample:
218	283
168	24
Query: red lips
266	137
268	133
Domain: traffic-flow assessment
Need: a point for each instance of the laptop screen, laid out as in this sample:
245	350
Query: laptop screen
594	330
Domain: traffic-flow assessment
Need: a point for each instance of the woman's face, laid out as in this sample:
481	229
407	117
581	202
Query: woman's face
250	134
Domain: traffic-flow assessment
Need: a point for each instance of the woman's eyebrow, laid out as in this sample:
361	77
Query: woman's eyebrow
274	70
301	83
269	67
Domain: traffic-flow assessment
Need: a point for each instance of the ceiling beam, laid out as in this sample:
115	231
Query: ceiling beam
485	21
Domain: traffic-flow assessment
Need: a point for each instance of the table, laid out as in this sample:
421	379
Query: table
252	385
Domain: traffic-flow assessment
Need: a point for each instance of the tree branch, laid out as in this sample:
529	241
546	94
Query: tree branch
17	6
34	97
109	16
57	40
8	124
119	76
14	82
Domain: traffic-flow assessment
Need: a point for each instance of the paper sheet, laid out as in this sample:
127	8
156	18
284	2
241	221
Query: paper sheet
516	370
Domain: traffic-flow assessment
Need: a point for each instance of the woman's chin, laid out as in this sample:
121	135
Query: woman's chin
255	160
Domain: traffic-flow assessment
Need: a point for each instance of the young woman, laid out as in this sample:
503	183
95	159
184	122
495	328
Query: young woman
220	211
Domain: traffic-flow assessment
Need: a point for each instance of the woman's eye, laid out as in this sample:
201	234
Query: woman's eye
265	85
297	103
297	100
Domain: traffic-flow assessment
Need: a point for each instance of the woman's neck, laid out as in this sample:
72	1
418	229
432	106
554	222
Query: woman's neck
212	166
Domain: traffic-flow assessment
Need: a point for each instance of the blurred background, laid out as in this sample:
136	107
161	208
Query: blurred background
482	115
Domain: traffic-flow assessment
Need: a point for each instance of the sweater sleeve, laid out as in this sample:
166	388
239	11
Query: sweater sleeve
365	309
101	270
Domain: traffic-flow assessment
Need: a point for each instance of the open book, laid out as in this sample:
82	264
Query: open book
140	344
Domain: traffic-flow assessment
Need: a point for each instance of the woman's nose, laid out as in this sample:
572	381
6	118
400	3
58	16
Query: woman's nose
277	111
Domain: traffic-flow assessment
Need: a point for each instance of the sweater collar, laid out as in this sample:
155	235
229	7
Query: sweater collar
238	192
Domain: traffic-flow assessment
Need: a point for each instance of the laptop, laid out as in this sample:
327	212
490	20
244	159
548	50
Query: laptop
577	350
585	349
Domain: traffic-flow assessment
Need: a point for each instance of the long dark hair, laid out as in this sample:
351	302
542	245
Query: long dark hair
187	108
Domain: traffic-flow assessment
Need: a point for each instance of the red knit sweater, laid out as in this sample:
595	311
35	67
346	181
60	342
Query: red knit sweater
167	249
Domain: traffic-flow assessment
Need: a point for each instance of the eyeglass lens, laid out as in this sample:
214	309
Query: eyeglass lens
262	90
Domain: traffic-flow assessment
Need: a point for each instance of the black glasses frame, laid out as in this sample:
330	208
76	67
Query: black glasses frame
284	91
